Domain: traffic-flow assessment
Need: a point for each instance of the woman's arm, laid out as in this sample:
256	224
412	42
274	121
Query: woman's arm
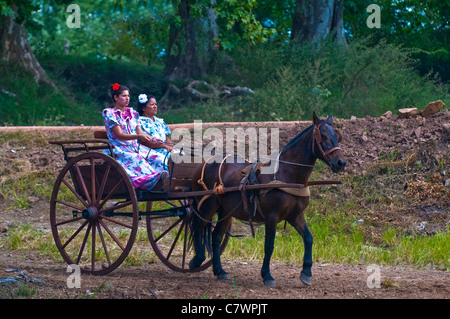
140	135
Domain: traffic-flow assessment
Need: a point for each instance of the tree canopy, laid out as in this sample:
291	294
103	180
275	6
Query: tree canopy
328	52
143	30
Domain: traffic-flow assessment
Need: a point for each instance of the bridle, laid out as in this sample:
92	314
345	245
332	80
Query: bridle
317	139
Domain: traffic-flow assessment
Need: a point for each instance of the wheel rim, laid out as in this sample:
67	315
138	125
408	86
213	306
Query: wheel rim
169	237
84	227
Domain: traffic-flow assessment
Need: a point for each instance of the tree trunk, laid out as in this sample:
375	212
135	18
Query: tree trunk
314	20
190	50
14	47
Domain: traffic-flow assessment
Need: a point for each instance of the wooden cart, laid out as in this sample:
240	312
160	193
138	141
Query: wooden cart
95	210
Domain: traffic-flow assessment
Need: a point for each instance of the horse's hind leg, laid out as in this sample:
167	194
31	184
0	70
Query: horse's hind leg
200	235
300	225
217	236
199	247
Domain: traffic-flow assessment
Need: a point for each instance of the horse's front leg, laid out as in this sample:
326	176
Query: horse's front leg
300	225
268	250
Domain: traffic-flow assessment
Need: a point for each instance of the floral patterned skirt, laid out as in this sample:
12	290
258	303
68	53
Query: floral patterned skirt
143	168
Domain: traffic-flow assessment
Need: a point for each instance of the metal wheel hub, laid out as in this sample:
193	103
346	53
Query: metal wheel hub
90	213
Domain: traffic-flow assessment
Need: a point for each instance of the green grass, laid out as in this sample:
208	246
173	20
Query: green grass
338	239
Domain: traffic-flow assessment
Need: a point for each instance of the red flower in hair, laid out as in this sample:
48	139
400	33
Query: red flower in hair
116	86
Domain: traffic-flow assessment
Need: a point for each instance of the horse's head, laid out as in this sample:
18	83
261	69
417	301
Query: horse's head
325	143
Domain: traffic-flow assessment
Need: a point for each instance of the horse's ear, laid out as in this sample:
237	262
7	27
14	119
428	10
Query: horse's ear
316	119
329	120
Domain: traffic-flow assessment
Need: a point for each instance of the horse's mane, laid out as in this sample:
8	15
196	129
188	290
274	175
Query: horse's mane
295	140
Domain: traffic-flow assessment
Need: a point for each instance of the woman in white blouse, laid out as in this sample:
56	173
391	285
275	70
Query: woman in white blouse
152	125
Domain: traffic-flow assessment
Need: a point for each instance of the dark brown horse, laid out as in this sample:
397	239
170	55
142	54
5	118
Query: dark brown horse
295	164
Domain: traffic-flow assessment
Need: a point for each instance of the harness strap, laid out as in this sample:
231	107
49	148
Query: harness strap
317	138
218	188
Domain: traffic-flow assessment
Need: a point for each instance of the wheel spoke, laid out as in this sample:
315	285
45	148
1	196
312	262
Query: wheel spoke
84	243
69	204
68	221
175	240
92	180
100	233
167	230
102	186
93	248
112	220
111	234
75	234
184	245
111	193
75	192
121	205
83	184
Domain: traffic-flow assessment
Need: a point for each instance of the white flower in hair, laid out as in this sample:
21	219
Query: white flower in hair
143	98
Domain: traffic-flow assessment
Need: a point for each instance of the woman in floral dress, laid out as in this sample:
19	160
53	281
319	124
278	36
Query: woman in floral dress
154	126
124	131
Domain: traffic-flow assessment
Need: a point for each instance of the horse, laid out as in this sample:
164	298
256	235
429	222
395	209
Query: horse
295	164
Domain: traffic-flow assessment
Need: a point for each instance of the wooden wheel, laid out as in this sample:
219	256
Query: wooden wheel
169	231
87	213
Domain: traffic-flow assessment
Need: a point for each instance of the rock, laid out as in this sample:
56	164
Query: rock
387	115
3	229
408	113
417	132
353	119
432	108
446	128
364	137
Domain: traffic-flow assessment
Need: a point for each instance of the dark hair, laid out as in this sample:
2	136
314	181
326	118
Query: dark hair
140	105
117	92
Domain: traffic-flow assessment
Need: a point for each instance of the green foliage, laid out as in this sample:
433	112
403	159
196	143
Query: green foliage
422	26
89	78
357	80
23	102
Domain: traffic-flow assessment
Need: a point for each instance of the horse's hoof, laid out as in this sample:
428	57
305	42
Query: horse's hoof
224	276
193	264
269	283
305	279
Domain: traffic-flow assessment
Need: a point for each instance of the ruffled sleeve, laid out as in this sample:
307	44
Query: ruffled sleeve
110	118
167	129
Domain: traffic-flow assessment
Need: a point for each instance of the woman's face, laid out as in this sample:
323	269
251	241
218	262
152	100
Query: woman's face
151	108
123	99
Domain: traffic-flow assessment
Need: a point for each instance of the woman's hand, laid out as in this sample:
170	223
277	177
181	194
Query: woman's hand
147	138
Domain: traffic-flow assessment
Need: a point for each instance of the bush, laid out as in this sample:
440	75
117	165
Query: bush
91	76
23	102
357	80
